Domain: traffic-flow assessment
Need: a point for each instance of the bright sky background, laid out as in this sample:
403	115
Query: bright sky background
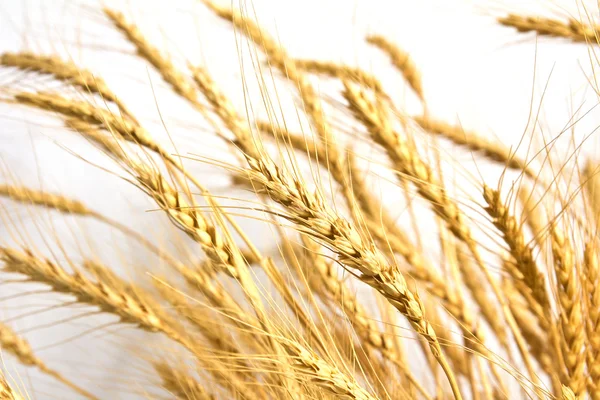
474	71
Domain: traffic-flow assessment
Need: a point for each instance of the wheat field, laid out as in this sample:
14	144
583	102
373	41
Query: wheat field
301	228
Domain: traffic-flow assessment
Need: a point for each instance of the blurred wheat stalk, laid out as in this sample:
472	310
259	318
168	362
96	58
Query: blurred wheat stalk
531	329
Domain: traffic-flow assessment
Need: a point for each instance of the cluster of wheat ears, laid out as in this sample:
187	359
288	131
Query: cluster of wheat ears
350	305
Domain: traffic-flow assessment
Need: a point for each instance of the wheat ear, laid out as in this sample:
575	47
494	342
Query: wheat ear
592	302
526	268
402	61
109	293
323	280
573	30
22	351
65	71
378	221
591	177
471	140
572	334
50	200
6	391
180	384
374	215
147	51
342	71
114	300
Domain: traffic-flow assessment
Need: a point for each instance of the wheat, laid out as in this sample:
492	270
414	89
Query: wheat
108	292
6	392
571	313
592	302
310	212
66	71
116	300
162	63
323	280
471	140
402	61
285	322
17	346
341	71
180	384
85	112
50	200
592	189
573	30
526	268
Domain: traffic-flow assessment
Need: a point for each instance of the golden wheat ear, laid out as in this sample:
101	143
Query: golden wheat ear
16	345
180	384
402	61
65	71
573	30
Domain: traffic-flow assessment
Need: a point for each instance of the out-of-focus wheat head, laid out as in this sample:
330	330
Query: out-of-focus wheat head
347	303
